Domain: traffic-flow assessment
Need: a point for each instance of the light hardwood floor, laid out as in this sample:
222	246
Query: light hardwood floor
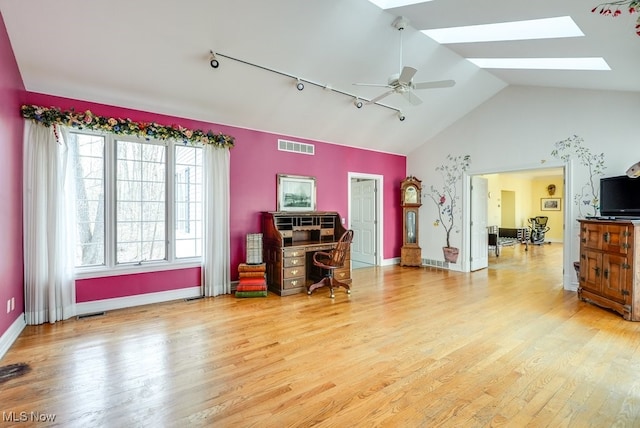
410	347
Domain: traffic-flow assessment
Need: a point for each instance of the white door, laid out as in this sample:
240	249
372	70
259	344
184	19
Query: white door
363	220
479	236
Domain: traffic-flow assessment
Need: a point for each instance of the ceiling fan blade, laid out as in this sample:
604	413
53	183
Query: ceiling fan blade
379	97
406	75
379	85
412	98
435	84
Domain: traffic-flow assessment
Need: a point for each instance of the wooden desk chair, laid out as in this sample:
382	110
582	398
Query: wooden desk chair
330	261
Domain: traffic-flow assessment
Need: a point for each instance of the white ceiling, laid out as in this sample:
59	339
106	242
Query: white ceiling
154	55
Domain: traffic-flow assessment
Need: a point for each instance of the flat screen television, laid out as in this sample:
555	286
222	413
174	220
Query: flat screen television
620	197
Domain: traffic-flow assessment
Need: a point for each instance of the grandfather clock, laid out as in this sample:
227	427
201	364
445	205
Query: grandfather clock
410	194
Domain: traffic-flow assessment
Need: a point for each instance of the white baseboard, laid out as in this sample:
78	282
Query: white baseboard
137	300
12	334
391	262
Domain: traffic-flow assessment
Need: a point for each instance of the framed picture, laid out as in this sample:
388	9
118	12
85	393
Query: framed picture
296	193
550	204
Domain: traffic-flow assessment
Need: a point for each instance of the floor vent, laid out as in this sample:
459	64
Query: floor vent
295	147
190	299
91	315
439	264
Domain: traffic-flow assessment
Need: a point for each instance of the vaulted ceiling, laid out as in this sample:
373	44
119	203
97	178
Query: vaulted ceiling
155	56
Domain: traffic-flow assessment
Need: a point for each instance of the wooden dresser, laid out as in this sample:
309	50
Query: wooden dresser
289	241
610	266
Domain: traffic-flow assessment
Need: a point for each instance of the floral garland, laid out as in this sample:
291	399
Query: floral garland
632	6
147	130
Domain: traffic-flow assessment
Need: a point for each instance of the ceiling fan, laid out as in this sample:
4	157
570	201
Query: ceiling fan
402	82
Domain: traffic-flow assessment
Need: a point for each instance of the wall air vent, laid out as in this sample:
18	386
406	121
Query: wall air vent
294	146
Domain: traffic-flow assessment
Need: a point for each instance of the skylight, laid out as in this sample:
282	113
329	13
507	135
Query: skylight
390	4
547	28
542	63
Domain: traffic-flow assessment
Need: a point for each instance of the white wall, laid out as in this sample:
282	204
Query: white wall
517	129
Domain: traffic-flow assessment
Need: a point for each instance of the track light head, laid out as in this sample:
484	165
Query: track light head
400	23
358	103
401	116
213	61
300	85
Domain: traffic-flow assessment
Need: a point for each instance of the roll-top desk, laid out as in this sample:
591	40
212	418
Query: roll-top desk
289	241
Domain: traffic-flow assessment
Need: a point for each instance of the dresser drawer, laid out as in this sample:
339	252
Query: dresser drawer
293	261
326	232
287	233
293	283
292	272
342	274
294	253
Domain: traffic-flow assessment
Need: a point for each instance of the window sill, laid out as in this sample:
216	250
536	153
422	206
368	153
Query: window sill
102	271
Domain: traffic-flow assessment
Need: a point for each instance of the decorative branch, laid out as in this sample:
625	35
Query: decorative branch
613	9
446	198
147	130
589	195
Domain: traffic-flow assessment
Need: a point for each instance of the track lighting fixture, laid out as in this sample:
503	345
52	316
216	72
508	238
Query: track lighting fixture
213	61
401	116
301	82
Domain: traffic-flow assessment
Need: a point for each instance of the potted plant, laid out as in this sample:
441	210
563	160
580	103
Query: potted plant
446	200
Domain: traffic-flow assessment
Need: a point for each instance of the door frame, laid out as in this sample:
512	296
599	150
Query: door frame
568	276
379	179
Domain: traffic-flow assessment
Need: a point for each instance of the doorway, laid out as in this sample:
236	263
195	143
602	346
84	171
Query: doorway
365	219
510	201
507	208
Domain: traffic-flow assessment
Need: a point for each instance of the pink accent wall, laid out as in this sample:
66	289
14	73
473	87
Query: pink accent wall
88	290
12	93
255	161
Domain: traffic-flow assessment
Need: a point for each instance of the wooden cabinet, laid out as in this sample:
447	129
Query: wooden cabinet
289	241
609	265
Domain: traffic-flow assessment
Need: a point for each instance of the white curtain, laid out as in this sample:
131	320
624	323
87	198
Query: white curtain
216	269
48	229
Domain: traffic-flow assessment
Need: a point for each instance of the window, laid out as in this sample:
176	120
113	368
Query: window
126	203
88	157
140	202
188	202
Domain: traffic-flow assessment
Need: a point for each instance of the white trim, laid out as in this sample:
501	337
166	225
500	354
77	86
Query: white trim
379	208
137	300
12	333
390	262
132	269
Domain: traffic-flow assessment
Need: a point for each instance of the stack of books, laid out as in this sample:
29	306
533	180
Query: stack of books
252	281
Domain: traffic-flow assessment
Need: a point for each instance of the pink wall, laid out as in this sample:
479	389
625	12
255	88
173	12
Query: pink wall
88	290
11	263
255	161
